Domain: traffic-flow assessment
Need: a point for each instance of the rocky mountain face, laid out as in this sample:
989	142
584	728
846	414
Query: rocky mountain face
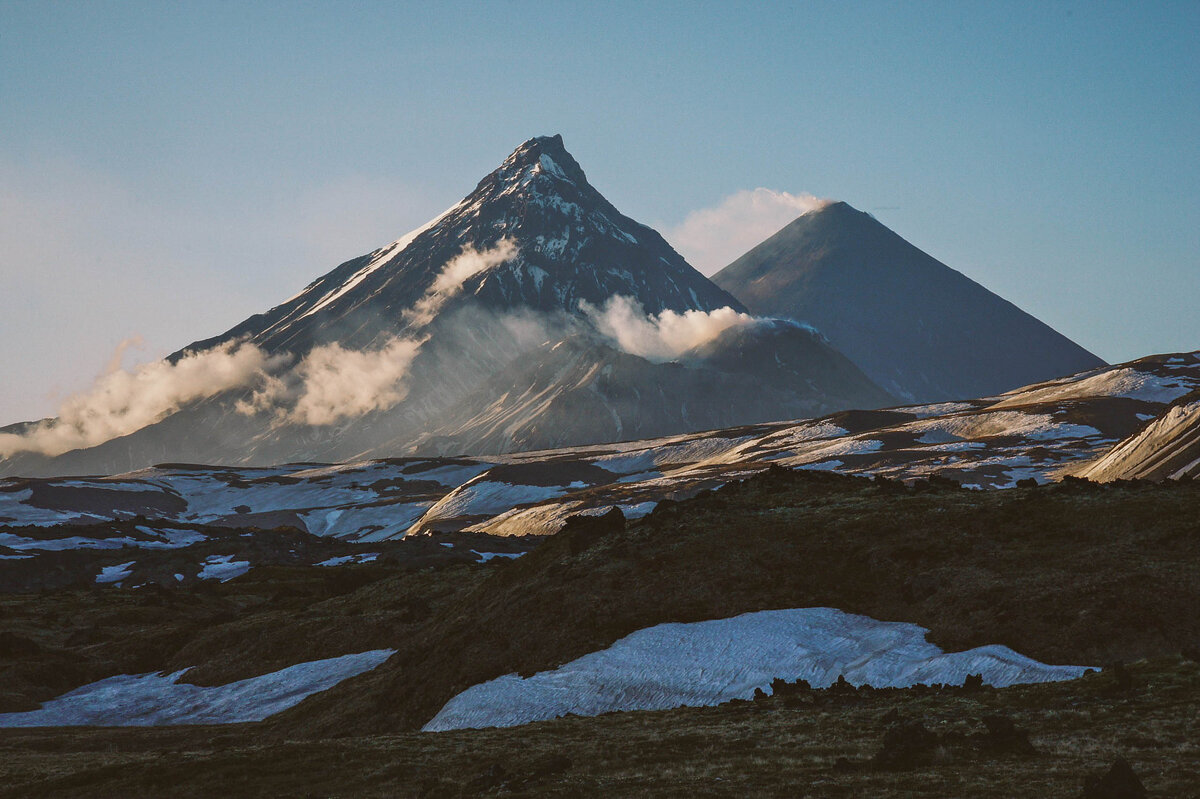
580	391
917	327
568	244
479	333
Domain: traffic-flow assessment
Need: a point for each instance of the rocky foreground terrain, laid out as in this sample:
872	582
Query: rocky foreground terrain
1105	576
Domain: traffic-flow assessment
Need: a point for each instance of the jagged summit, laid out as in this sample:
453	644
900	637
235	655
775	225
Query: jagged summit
562	241
548	155
920	329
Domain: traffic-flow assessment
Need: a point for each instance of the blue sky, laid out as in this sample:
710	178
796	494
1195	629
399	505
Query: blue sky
168	169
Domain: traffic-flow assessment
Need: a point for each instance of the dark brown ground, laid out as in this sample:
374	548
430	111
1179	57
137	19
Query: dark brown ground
774	748
1068	574
1073	573
54	640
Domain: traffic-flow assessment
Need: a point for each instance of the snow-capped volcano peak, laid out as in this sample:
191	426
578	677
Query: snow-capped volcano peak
542	155
546	238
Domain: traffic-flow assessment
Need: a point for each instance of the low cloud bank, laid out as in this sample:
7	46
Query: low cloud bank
712	238
660	337
329	384
123	401
338	384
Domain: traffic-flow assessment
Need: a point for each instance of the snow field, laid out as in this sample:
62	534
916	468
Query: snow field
710	662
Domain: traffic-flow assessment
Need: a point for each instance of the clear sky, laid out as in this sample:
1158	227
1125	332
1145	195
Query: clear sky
167	169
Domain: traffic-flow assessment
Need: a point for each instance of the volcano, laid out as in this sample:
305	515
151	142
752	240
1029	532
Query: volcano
920	329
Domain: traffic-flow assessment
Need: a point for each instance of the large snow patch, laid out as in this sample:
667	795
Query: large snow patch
710	662
148	700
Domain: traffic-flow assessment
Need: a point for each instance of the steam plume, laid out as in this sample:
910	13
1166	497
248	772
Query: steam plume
665	336
457	270
712	238
337	383
332	383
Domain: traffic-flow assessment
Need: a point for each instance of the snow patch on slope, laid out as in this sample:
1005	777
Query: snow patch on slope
1126	382
490	497
147	700
115	574
223	568
1031	426
710	662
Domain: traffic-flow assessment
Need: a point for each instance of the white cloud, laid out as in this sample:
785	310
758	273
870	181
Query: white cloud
102	256
337	383
456	271
125	400
712	238
333	383
665	336
330	383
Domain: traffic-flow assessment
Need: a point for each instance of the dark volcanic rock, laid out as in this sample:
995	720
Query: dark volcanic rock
906	746
1003	736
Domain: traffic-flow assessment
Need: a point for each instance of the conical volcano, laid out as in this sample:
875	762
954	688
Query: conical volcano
917	327
561	242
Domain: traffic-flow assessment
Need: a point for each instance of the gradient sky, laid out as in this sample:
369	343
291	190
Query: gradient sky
167	169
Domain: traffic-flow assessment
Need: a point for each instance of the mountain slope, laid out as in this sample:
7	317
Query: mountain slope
1040	432
917	327
580	391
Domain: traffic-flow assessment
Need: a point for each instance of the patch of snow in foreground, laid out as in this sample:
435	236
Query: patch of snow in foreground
486	497
484	557
114	574
638	510
149	700
937	409
341	560
338	561
223	568
710	662
823	466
